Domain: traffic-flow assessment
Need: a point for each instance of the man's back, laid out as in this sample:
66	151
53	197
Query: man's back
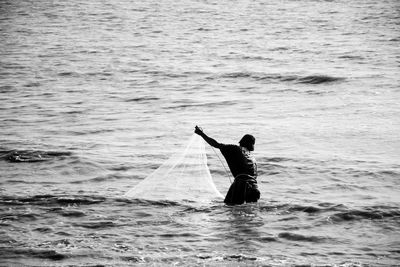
239	160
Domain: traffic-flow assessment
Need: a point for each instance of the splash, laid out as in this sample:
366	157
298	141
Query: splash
183	177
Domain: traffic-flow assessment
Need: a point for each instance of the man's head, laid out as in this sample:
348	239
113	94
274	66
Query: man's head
248	142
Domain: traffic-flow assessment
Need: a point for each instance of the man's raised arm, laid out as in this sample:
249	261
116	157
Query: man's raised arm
209	140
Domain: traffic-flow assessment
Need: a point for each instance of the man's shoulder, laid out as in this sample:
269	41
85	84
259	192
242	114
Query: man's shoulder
229	147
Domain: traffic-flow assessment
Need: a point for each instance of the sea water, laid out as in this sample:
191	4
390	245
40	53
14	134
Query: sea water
96	95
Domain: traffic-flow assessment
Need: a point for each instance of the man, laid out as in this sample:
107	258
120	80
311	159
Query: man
242	165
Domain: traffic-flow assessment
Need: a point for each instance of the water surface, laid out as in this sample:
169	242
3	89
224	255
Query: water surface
94	96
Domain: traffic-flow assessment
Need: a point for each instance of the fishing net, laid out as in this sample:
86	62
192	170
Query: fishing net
184	176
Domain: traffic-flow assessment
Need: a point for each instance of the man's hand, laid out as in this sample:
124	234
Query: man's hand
198	130
206	138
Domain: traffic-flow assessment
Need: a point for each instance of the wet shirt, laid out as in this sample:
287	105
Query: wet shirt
239	160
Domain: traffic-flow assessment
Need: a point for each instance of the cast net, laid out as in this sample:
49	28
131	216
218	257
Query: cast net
184	176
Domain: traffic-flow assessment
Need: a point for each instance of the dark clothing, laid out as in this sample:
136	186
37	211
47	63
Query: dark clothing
244	168
243	189
239	160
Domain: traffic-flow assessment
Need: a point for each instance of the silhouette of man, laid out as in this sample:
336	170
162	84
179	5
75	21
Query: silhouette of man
242	165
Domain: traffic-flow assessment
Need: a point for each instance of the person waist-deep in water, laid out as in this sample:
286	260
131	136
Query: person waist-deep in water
242	165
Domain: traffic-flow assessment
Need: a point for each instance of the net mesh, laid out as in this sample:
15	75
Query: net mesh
184	176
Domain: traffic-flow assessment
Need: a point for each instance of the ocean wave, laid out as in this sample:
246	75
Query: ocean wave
71	213
20	217
290	208
4	89
36	253
144	202
51	200
133	259
255	58
336	212
365	214
351	57
304	238
44	229
103	178
307	209
318	79
159	73
32	84
142	99
207	104
327	212
276	159
31	155
260	76
68	74
95	225
239	257
256	76
371	173
13	181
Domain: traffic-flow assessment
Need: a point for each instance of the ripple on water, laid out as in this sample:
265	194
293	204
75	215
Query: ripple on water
48	200
96	224
16	156
303	238
17	253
